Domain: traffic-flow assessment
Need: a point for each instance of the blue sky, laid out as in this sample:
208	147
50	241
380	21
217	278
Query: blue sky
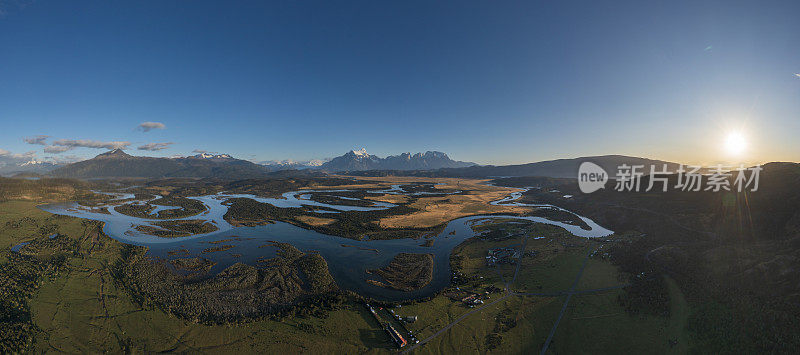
485	81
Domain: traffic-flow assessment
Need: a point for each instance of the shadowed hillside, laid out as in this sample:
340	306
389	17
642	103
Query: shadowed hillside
561	168
117	163
735	254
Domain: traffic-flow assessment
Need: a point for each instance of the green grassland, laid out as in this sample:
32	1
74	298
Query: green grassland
21	221
83	308
547	266
554	271
593	322
520	324
80	305
433	315
600	273
597	324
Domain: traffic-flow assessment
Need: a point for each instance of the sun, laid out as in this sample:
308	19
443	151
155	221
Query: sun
735	143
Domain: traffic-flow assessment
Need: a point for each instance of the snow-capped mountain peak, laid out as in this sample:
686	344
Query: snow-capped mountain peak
360	160
292	164
287	162
212	156
32	162
360	153
30	166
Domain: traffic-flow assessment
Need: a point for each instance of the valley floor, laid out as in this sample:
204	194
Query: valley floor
559	294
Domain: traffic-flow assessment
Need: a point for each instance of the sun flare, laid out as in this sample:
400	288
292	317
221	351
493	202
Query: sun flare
735	143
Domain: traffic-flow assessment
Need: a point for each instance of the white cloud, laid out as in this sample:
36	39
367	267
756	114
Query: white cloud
40	139
88	143
147	126
63	159
56	149
8	158
7	154
155	146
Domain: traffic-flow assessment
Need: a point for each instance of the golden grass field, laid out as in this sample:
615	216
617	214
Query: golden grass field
315	221
434	211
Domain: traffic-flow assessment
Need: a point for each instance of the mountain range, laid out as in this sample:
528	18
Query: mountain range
559	168
117	163
358	160
275	165
31	167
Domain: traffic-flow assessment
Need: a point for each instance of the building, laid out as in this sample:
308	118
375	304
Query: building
472	300
374	314
502	256
410	319
398	339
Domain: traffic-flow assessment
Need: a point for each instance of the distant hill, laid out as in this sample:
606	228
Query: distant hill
560	168
568	168
117	163
359	160
278	165
29	168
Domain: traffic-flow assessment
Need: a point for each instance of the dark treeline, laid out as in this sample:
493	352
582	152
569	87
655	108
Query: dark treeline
188	207
178	228
335	199
734	255
239	293
406	272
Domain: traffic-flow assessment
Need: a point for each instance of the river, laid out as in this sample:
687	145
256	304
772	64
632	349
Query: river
348	259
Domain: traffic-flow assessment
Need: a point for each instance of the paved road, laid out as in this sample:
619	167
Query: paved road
565	293
519	262
566	302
